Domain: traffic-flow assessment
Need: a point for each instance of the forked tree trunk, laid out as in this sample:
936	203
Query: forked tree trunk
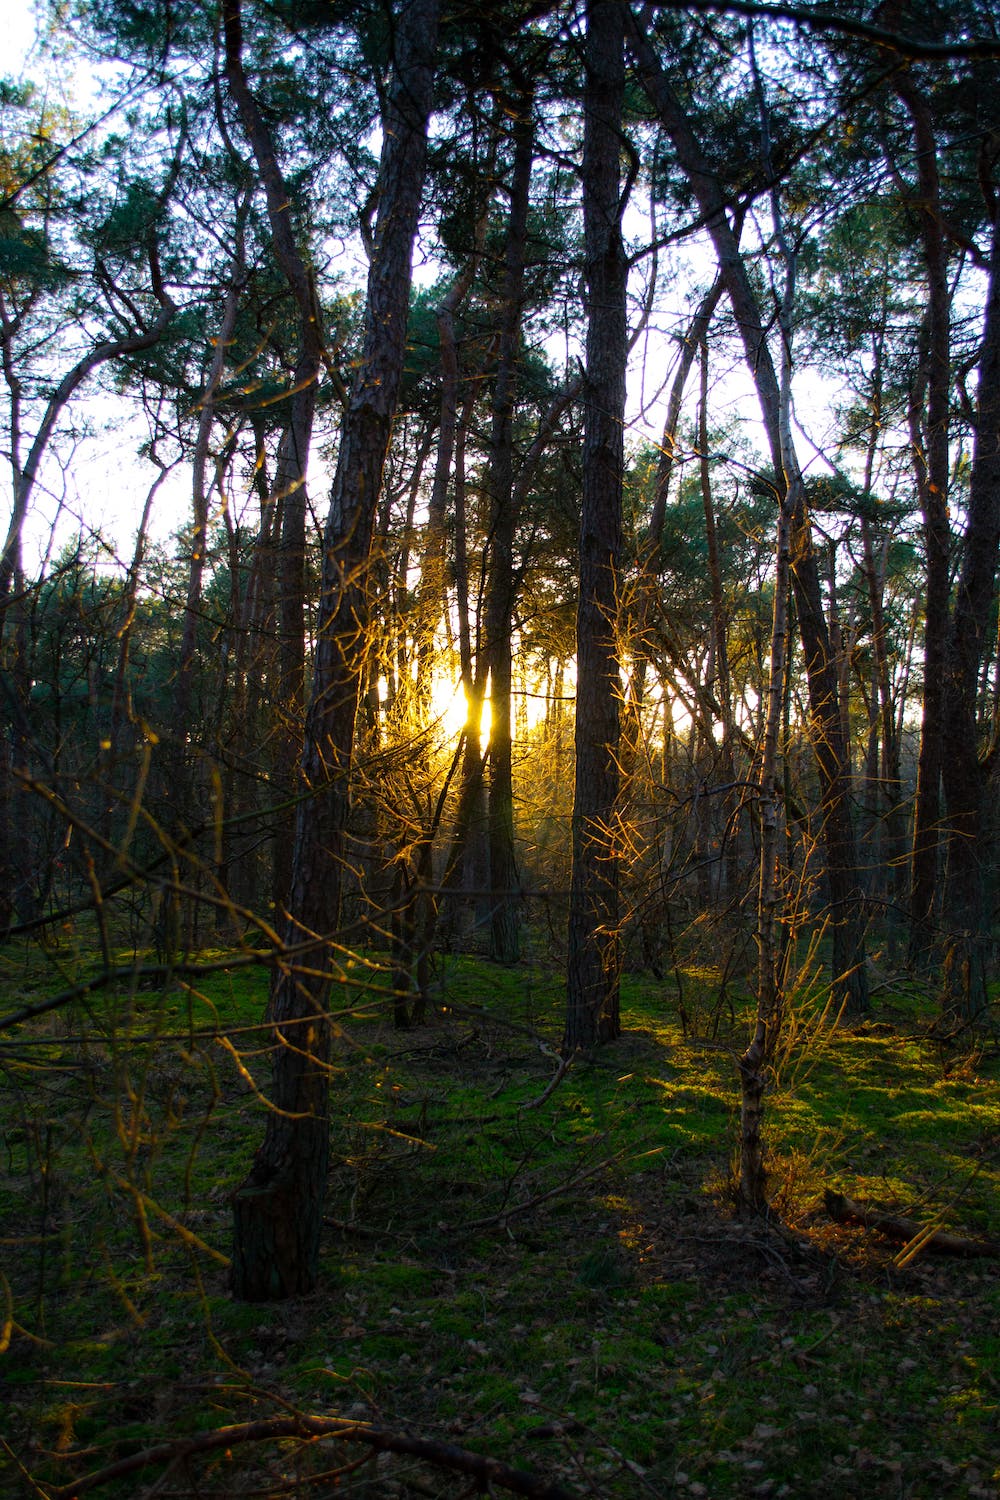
592	1009
647	586
278	1210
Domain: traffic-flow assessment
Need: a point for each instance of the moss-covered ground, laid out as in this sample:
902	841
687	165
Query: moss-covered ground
554	1276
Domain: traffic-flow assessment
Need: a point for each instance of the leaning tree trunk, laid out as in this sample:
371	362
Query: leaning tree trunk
592	1009
847	897
278	1210
14	741
647	587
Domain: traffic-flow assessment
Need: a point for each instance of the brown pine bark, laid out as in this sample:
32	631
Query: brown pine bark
928	418
592	1008
500	578
278	1210
965	772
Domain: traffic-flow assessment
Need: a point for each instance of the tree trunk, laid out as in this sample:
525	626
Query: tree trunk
200	490
965	773
592	1010
720	688
647	584
500	581
846	896
752	1186
278	1210
293	453
928	412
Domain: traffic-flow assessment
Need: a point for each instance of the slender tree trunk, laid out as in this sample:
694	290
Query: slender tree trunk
467	864
965	772
121	708
928	412
752	1187
500	582
720	688
278	1211
293	453
254	669
592	1010
184	682
291	501
14	851
432	599
647	583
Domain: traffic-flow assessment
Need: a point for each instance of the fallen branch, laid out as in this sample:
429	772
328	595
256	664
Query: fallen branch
565	1063
904	1231
487	1472
500	1219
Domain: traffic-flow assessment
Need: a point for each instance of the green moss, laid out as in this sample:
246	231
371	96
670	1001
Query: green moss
526	1258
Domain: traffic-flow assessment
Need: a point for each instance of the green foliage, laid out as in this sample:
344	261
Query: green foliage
23	251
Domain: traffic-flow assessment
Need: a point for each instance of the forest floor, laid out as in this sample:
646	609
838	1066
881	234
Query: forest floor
554	1276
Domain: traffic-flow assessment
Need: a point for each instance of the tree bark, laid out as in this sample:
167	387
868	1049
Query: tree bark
928	415
646	600
200	490
965	772
592	1009
720	688
279	1208
293	453
500	579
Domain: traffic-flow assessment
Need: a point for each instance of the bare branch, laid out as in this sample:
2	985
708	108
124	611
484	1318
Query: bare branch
906	46
488	1472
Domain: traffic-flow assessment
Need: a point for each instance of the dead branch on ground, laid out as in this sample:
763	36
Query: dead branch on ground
487	1472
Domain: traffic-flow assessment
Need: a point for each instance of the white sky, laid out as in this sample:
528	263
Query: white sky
17	34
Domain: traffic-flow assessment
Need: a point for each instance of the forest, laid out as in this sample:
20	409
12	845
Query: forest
500	722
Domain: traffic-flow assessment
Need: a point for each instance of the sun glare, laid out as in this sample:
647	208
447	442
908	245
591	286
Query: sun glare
449	707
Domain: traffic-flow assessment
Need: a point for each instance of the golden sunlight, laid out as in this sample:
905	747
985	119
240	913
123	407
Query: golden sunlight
449	706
